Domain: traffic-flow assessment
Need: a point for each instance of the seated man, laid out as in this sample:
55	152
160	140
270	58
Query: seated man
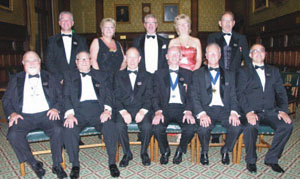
214	98
88	101
172	103
33	100
133	91
263	100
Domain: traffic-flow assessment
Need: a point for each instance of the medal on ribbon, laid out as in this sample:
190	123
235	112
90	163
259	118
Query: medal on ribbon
214	80
173	85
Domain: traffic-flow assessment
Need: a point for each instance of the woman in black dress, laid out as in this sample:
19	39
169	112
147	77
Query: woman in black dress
106	53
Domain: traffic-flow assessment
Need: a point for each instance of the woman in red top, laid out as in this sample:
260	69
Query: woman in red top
190	46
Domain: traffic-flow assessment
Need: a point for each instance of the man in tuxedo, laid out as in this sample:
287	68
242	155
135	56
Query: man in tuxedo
263	100
172	103
87	101
214	98
234	47
133	90
63	47
152	47
33	100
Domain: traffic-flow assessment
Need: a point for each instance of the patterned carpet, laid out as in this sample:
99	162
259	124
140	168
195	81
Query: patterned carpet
94	162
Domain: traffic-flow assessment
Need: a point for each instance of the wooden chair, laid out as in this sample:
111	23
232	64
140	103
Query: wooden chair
174	128
218	129
40	136
262	131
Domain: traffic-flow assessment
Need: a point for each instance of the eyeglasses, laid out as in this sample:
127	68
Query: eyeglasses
83	59
261	50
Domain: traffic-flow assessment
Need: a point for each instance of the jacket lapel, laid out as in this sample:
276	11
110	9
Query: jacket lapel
267	76
166	79
45	85
77	83
222	83
160	44
180	85
20	87
61	46
74	46
208	82
138	82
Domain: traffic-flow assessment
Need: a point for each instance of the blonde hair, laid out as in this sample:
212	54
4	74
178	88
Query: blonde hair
184	17
111	20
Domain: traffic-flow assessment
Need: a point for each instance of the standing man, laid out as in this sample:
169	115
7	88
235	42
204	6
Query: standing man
63	47
214	99
152	47
33	101
172	103
234	46
263	100
88	101
133	91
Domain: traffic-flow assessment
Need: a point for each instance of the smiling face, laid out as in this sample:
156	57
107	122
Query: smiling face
182	27
66	22
150	25
83	62
213	55
173	56
108	29
227	23
132	58
32	63
258	54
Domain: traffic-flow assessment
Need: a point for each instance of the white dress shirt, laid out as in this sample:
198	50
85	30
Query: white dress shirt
262	77
87	93
34	100
174	94
227	38
216	96
67	45
132	77
151	54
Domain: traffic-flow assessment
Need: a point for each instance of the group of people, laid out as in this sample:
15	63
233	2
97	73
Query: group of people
153	83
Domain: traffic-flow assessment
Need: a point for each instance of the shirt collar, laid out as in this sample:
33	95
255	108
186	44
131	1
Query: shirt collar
174	68
136	69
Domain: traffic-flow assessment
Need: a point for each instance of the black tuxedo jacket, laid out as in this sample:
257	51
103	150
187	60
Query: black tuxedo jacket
56	61
163	44
239	45
13	98
72	89
135	99
201	90
161	88
250	92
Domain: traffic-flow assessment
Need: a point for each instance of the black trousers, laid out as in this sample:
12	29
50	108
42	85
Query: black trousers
145	127
52	128
173	113
217	113
282	134
88	115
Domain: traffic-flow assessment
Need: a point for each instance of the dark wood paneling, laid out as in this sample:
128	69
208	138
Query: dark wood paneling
194	17
99	15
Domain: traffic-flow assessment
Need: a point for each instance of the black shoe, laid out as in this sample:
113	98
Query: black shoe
164	159
204	159
275	167
145	159
177	157
125	161
114	171
38	169
59	171
225	158
251	168
75	172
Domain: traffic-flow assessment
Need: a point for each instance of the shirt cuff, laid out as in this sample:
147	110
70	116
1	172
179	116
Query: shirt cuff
144	110
108	108
122	111
234	112
68	112
200	114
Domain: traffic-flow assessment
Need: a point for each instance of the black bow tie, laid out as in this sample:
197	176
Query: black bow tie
66	35
224	34
84	74
175	71
150	36
261	67
134	72
213	69
34	76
